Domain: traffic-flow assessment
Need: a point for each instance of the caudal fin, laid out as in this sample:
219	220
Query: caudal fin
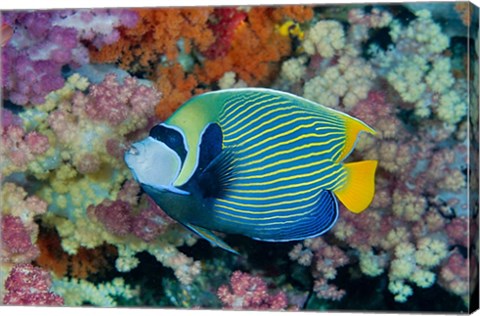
359	189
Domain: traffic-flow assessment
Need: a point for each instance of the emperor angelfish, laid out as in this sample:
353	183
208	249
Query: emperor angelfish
258	162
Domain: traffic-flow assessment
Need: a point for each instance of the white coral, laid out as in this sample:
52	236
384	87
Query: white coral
294	69
325	38
350	79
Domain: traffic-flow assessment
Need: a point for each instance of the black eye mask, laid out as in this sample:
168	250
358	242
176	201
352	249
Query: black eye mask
170	137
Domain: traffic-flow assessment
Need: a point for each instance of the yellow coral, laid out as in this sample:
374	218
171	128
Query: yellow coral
350	79
454	182
401	268
370	264
294	69
78	292
431	251
452	108
408	205
401	290
440	77
394	237
325	38
423	278
407	77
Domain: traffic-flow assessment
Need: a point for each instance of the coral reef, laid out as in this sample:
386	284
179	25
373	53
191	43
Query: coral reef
79	86
44	42
324	260
29	285
250	292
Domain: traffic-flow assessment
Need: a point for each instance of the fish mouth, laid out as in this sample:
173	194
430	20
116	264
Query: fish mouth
133	155
132	150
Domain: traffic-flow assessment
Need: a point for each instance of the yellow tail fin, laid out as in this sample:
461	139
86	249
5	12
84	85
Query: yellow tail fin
358	191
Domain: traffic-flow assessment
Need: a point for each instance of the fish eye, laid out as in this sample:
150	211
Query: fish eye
170	137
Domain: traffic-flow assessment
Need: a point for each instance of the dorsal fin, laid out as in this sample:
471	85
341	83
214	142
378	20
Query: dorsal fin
353	127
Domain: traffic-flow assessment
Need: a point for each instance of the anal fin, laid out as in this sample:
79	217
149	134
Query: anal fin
211	237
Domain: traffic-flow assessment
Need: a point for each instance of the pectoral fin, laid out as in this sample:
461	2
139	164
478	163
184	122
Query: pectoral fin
211	237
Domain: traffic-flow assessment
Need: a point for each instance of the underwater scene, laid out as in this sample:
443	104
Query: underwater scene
297	158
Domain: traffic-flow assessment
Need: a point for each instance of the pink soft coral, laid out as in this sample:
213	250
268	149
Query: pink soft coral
29	285
249	292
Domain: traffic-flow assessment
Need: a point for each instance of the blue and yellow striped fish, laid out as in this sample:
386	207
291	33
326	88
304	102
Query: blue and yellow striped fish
257	162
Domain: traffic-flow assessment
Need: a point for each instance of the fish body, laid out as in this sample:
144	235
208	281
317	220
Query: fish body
257	162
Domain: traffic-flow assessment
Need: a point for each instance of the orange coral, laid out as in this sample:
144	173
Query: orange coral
299	13
255	53
52	257
176	87
86	262
156	34
150	49
465	10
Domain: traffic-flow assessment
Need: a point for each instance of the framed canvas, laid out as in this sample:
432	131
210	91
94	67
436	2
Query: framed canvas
304	157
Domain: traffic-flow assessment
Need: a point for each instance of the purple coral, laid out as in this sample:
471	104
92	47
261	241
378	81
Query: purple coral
19	147
114	102
29	285
126	215
97	123
456	274
116	216
250	292
46	41
324	260
16	237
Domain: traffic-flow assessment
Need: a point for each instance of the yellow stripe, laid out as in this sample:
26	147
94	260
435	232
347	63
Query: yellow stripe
298	176
238	131
305	114
282	170
303	118
276	109
339	184
289	142
244	107
274	211
335	179
276	203
278	188
260	224
280	135
266	218
239	108
284	161
279	153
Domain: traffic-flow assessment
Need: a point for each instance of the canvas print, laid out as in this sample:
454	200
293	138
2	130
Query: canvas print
301	157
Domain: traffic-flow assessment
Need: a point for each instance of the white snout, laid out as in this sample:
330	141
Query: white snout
153	163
